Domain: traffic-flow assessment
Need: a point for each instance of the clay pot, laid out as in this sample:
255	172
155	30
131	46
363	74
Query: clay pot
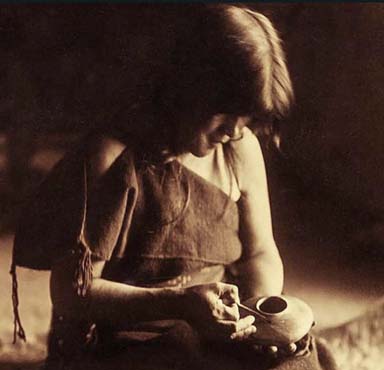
280	320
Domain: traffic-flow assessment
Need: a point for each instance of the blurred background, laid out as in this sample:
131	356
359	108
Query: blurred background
61	66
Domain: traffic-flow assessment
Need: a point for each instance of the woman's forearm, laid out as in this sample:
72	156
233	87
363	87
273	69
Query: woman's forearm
112	301
120	303
210	308
261	275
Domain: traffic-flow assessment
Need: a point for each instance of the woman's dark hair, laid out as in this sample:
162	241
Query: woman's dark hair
222	59
219	58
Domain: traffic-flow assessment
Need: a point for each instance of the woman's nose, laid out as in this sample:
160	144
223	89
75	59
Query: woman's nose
233	132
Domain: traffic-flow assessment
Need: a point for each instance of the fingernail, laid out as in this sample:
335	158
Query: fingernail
292	347
233	336
272	350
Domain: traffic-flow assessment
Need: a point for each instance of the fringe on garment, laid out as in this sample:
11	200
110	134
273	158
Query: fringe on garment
82	277
83	272
18	330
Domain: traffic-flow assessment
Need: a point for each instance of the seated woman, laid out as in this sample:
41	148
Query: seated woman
156	226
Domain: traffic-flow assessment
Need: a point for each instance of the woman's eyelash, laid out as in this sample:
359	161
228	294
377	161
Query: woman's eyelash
223	128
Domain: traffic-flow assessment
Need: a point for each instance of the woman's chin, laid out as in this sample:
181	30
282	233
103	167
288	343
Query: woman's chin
203	152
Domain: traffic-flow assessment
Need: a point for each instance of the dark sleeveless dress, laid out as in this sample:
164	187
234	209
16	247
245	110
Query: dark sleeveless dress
155	227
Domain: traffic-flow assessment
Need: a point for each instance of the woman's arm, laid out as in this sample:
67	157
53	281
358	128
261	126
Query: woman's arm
260	271
211	308
111	301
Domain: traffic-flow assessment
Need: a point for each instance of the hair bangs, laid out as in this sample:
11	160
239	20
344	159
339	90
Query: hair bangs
263	85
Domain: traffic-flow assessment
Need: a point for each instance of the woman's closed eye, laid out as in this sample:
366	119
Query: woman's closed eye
229	134
235	133
231	129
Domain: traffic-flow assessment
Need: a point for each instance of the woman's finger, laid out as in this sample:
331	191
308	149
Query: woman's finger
229	294
226	328
230	312
290	349
244	334
245	322
223	312
275	351
240	325
272	350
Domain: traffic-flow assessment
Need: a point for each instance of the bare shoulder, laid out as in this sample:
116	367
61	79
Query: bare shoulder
248	148
103	150
249	161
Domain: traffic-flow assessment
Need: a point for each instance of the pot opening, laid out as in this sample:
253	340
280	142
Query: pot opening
272	305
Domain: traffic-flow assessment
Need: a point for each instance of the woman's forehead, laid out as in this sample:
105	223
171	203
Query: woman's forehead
223	118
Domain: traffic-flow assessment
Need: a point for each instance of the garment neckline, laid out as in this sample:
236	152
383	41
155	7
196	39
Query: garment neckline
205	181
176	160
215	166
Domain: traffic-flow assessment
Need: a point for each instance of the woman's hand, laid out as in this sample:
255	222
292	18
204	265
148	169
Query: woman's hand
276	351
212	309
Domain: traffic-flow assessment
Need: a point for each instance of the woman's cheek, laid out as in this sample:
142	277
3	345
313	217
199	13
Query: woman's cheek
202	146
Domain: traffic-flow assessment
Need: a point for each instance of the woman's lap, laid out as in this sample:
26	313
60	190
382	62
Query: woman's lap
180	348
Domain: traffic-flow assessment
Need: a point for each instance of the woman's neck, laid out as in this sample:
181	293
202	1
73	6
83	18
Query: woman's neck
214	169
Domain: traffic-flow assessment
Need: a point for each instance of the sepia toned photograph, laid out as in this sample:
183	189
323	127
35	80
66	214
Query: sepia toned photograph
192	186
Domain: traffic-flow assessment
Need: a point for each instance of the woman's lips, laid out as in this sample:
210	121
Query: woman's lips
223	140
214	143
218	140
